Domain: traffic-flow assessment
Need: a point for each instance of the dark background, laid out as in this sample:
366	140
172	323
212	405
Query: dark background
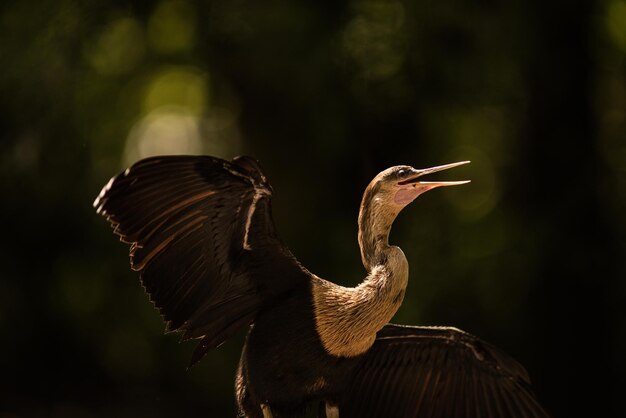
529	256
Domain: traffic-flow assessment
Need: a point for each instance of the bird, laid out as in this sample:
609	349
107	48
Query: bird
203	241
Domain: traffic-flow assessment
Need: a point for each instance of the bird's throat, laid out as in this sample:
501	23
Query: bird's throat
375	220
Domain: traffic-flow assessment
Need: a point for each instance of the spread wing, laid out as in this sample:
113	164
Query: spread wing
437	372
203	241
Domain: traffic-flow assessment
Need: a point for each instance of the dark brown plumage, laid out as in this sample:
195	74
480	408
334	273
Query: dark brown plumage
203	241
437	372
185	219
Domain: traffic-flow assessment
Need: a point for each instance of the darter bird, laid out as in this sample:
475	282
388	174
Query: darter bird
203	241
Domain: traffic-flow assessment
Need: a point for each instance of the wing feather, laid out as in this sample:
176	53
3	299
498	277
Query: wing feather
203	241
437	372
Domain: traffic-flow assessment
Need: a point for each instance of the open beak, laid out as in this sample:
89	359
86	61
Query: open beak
412	187
428	185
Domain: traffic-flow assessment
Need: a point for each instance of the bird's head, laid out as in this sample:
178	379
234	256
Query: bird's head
397	186
384	198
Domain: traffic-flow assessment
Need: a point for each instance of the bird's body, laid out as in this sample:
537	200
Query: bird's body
204	243
283	361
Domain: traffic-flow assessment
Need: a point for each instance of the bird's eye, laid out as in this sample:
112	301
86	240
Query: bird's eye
402	173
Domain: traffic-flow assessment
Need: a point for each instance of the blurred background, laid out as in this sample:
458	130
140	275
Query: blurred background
530	256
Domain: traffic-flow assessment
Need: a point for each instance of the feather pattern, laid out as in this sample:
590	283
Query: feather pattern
189	220
437	372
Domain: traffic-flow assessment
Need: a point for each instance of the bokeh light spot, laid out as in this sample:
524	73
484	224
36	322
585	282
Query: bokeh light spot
616	23
172	27
374	39
166	131
185	87
478	198
119	48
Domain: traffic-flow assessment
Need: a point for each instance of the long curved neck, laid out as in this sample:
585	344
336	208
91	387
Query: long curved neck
382	291
348	318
